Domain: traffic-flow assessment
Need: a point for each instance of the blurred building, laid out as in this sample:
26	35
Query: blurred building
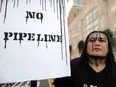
85	16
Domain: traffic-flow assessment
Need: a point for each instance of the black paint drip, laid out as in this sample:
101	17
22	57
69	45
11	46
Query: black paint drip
1	5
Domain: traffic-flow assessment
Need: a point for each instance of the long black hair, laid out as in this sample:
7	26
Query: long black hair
110	60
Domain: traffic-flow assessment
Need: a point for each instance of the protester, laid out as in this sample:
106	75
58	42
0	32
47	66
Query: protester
96	66
80	46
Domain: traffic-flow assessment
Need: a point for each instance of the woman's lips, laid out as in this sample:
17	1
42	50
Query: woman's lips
96	49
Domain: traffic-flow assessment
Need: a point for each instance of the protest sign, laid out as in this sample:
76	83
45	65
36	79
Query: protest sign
33	40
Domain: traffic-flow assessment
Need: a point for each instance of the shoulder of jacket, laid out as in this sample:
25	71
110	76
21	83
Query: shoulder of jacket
115	66
75	64
75	61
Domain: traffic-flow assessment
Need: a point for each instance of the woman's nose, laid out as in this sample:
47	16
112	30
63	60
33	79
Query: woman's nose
97	43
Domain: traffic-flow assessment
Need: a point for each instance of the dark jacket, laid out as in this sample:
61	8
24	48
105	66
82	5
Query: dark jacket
78	75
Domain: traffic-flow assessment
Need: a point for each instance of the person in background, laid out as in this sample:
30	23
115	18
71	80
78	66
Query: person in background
80	46
96	66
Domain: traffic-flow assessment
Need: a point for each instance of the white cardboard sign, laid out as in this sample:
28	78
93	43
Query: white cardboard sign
33	40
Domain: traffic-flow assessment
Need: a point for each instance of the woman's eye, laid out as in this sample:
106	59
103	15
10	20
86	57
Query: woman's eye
102	40
92	40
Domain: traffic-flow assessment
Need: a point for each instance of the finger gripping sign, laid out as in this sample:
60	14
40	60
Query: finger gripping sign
33	40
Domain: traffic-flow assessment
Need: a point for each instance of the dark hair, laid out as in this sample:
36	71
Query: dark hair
110	61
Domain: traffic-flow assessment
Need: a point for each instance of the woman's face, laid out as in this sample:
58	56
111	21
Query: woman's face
97	45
